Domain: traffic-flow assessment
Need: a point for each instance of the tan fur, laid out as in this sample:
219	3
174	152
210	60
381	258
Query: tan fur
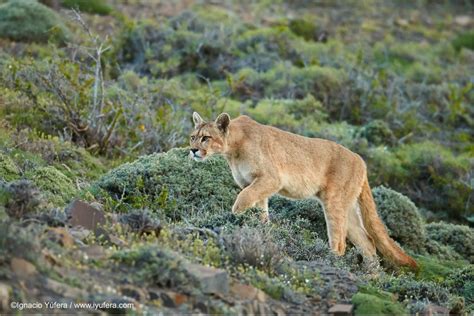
265	161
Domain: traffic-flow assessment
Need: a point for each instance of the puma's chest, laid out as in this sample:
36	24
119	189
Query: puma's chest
242	173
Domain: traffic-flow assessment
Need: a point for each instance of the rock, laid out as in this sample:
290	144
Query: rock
210	280
64	289
435	310
22	268
114	240
401	22
134	292
173	299
245	292
94	252
116	304
341	309
98	206
86	216
279	311
79	233
462	20
154	294
5	291
61	236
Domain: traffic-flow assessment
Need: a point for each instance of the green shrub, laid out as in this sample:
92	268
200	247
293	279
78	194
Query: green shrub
58	188
441	251
410	290
464	40
304	28
90	6
21	198
154	266
439	176
172	183
18	241
310	210
459	237
430	174
286	81
248	245
401	216
462	283
8	169
294	115
377	132
30	21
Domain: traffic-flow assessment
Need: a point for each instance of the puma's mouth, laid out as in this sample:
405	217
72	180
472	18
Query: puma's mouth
196	155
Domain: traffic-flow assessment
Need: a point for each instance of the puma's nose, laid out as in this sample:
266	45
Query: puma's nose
194	150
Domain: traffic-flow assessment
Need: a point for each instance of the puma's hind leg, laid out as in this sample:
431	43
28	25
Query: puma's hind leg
336	223
358	235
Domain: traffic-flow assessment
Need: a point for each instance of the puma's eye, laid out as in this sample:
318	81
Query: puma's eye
193	138
204	138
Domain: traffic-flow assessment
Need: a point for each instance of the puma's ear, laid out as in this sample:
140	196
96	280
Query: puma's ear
222	122
197	119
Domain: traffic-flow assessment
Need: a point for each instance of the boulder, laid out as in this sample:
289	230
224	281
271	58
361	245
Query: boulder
209	280
22	268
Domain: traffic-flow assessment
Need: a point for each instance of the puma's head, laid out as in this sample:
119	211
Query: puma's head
208	138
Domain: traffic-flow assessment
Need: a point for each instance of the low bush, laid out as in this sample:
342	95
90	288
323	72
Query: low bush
57	187
410	291
461	282
401	217
172	184
18	241
247	245
154	266
430	174
377	132
21	198
8	169
30	21
459	237
304	28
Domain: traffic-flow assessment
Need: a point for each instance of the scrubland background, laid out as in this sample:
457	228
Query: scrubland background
96	104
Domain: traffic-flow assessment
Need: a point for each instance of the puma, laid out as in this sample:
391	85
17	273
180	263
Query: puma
266	160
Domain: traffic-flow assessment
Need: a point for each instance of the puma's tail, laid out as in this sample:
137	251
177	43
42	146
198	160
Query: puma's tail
376	229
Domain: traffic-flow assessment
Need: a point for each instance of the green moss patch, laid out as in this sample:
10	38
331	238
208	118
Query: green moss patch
370	301
90	6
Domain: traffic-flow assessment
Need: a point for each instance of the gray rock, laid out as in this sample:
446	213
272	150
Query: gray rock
22	268
209	280
341	309
5	291
84	215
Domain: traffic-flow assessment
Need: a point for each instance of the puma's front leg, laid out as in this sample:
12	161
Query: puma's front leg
264	216
259	190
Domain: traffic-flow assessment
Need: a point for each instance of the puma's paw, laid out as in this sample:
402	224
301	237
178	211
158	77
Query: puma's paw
238	209
265	218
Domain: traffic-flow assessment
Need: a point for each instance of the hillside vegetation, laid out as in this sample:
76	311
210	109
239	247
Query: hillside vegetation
96	106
